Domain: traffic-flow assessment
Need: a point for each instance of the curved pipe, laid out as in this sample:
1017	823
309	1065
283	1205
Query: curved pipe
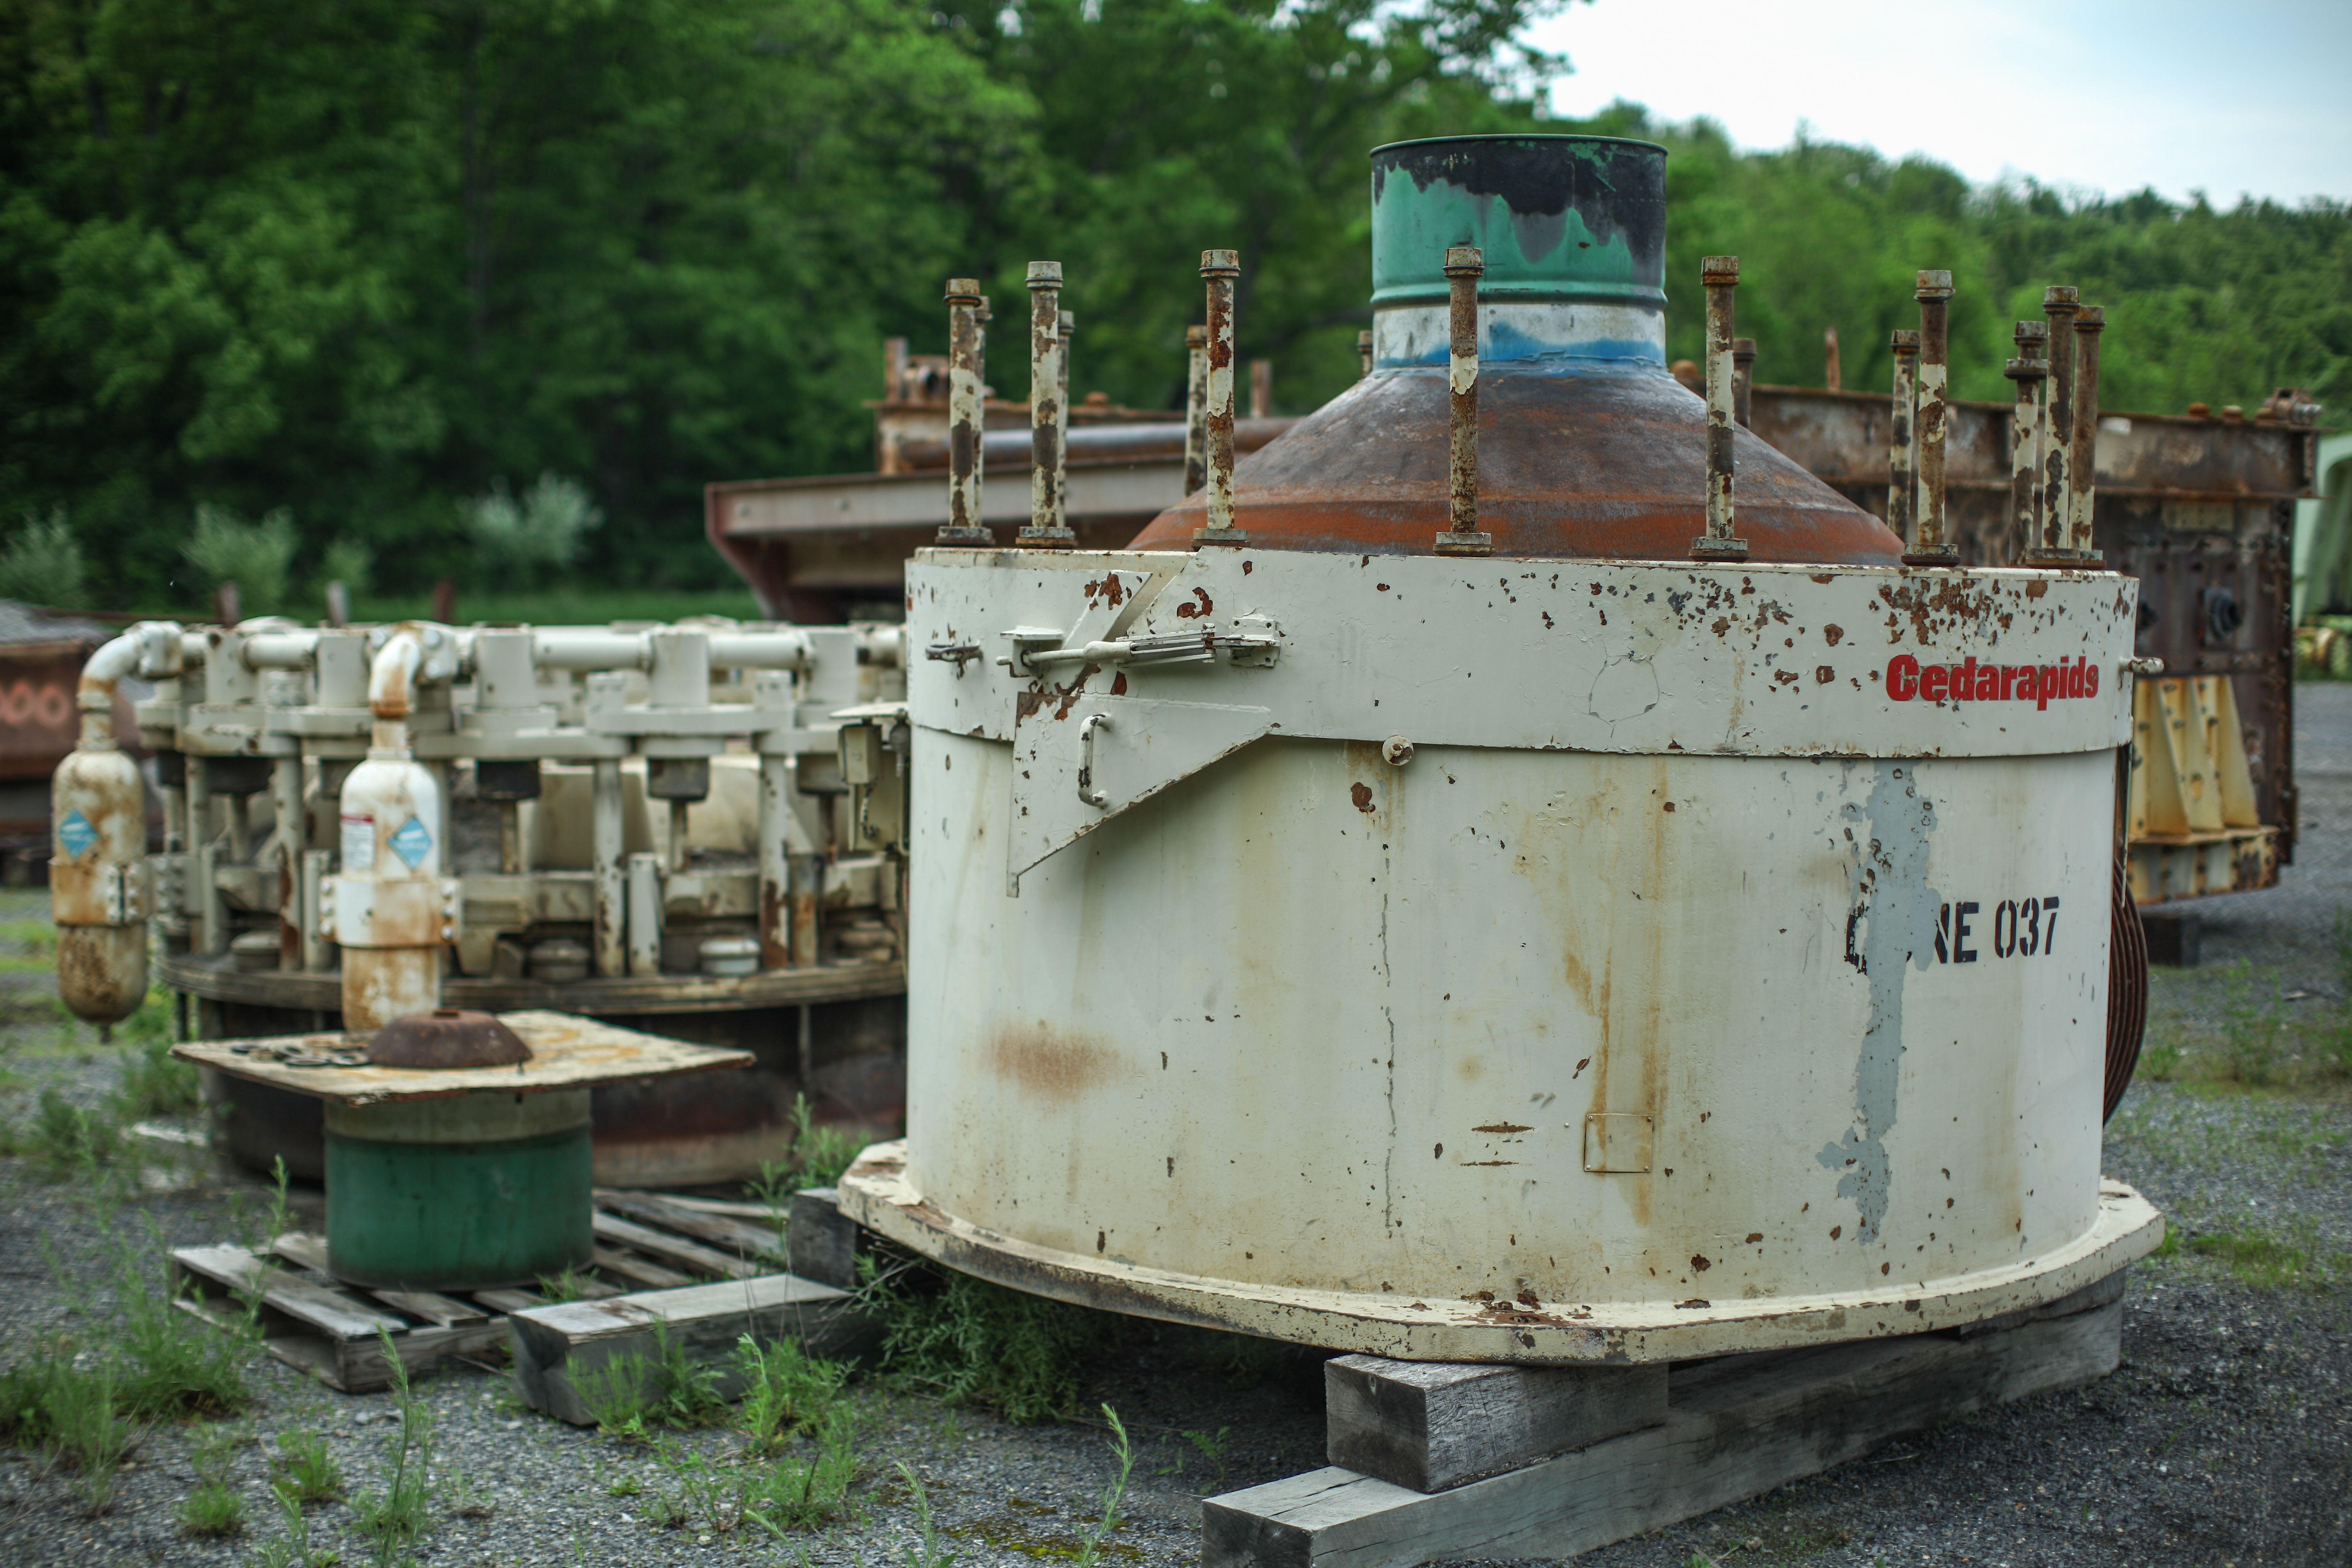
158	649
392	675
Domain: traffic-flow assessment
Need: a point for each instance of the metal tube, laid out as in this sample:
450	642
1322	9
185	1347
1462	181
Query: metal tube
1363	354
1901	431
808	893
510	838
1720	275
1930	547
775	865
604	839
2058	304
1743	378
644	915
1830	371
1067	329
1046	528
286	804
967	413
317	952
1196	409
1218	271
2082	463
2030	372
1261	388
1463	267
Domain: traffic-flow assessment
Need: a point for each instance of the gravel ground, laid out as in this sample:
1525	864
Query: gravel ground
2223	1439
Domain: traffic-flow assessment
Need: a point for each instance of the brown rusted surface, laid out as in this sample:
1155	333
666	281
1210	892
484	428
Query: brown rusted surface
1720	275
1219	269
1463	267
1196	409
1902	434
39	721
2030	371
1930	544
1832	374
1054	1064
1046	528
2058	304
446	1038
1095	444
1600	465
966	413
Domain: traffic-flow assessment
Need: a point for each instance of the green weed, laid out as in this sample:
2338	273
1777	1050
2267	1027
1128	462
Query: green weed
801	1490
966	1341
1090	1546
214	1509
154	1081
927	1551
177	1366
787	1390
633	1393
305	1470
66	1141
1213	1449
2252	1024
68	1412
816	1158
293	1550
564	1286
2159	1061
398	1517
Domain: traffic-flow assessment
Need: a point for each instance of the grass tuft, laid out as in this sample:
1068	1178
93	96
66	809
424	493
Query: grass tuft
966	1341
304	1471
633	1394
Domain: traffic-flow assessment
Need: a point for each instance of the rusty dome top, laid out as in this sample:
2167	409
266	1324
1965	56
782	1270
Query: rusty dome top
1587	447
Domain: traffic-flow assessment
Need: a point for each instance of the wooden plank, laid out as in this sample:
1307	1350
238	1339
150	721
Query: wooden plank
1429	1426
504	1300
321	1306
441	1312
767	1213
304	1249
566	1052
637	1270
675	1249
1723	1439
738	1235
359	1366
824	1241
558	1346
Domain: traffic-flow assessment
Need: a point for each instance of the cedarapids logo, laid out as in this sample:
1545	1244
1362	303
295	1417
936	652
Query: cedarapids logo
1968	681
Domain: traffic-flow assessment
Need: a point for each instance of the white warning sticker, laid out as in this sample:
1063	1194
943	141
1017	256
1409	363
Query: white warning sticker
359	843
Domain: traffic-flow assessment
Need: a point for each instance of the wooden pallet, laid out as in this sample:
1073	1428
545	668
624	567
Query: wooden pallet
644	1241
1437	1462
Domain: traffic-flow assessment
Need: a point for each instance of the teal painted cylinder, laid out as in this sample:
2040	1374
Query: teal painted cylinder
1573	230
460	1193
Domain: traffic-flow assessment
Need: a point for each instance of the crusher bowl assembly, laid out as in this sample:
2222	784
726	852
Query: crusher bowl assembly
1456	889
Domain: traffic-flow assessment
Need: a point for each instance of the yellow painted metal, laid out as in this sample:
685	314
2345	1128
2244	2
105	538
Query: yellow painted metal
2194	827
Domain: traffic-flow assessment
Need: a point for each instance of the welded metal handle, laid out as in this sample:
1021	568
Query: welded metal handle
1086	791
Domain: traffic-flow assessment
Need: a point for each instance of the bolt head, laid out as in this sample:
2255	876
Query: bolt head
1221	263
1396	751
2060	295
1044	275
1465	261
964	290
1935	285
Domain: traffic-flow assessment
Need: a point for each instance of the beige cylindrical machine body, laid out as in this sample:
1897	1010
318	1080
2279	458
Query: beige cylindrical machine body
1704	972
97	838
393	912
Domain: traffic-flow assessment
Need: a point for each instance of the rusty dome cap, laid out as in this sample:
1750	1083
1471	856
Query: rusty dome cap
446	1038
1587	447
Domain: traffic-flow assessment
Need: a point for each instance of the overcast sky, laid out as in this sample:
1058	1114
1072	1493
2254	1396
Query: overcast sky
2227	96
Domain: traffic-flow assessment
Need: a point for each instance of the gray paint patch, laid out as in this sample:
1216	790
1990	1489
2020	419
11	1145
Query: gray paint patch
1891	926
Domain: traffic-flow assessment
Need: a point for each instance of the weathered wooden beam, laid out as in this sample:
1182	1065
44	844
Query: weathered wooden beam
823	1240
1731	1431
672	1249
559	1347
1429	1426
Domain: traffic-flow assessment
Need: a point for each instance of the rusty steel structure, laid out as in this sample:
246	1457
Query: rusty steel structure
693	827
1639	940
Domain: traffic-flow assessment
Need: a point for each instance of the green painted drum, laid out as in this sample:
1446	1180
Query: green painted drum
1560	219
472	1191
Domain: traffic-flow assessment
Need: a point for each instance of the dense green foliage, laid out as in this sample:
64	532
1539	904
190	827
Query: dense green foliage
407	276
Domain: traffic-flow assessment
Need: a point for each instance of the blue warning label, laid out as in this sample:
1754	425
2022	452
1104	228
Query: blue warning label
76	835
411	842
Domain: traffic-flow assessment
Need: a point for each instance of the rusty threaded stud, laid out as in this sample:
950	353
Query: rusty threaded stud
1465	265
2030	372
2082	462
2053	544
1902	433
1218	271
1047	528
1196	409
1930	545
1743	379
965	415
1720	275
